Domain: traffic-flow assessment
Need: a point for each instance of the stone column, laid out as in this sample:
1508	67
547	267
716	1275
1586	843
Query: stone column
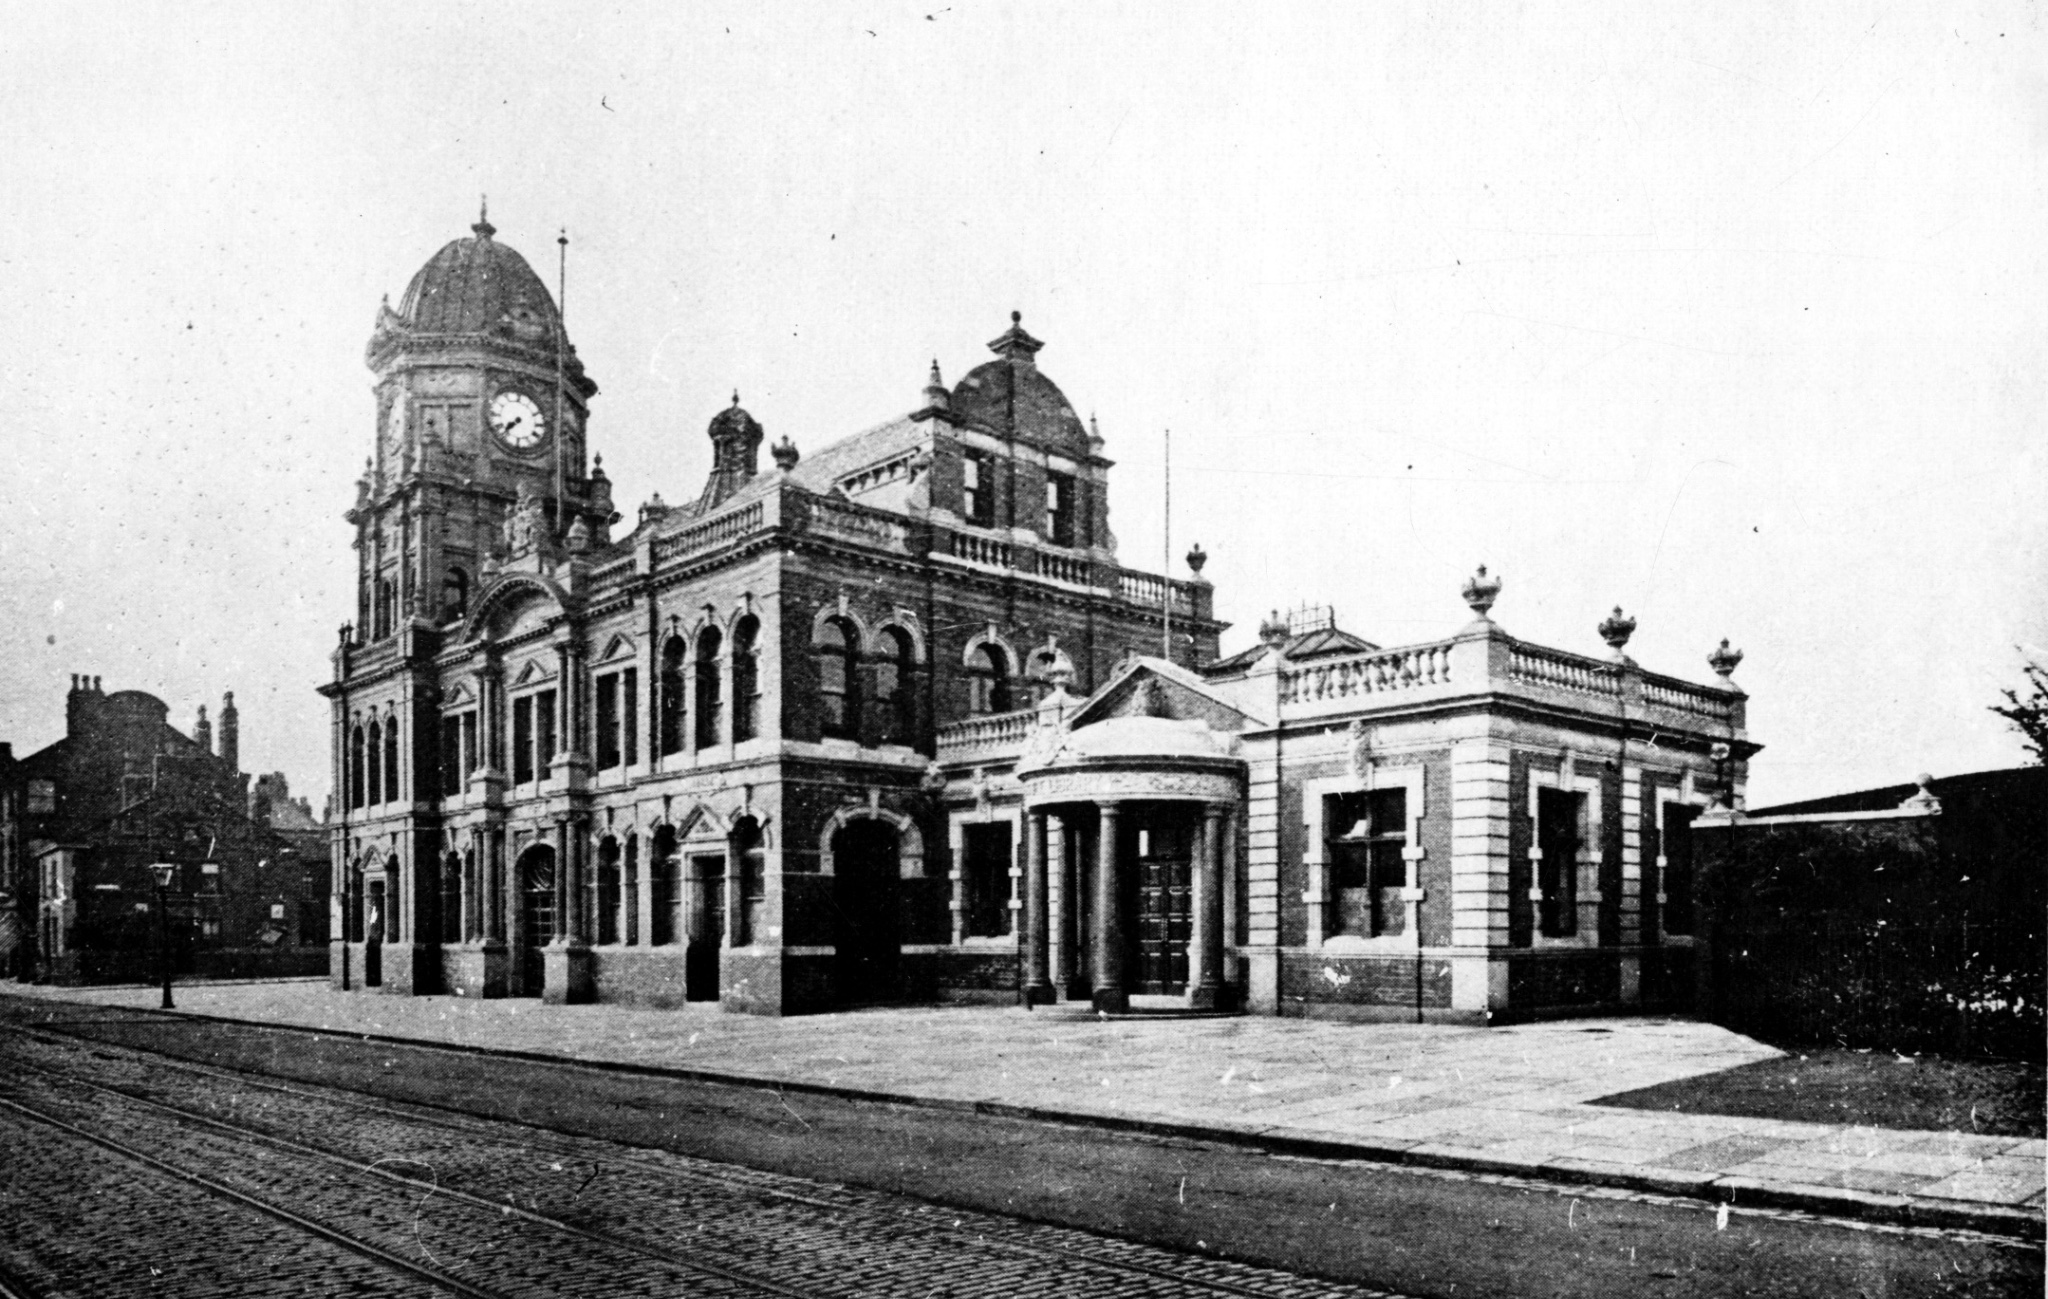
1037	919
1109	953
1205	944
568	885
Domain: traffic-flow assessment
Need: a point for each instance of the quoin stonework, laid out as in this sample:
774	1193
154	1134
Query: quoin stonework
887	720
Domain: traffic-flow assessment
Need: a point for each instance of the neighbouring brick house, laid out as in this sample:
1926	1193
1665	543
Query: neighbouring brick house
85	817
882	722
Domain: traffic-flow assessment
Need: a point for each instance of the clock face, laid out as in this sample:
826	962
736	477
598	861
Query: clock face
517	421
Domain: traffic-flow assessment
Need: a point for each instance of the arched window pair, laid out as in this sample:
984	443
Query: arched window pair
892	717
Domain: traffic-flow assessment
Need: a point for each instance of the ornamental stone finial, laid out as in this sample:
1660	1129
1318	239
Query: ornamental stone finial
785	454
1615	629
1197	557
1724	661
1481	591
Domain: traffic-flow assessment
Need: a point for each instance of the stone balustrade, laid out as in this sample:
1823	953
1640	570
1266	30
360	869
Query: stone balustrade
996	733
1559	670
855	523
1382	672
714	532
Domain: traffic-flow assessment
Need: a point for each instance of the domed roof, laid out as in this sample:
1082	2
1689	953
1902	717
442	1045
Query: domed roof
734	422
480	286
1011	394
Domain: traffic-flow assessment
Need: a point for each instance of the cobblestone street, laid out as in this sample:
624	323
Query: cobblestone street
204	1182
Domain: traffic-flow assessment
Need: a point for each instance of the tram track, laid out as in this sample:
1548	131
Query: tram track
960	1235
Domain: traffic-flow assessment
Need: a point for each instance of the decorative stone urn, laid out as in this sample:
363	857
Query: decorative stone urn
1615	629
1481	591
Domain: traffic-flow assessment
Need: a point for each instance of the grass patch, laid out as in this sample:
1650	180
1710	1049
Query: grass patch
1875	1088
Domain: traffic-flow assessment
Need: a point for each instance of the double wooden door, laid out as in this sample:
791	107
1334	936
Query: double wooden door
1165	923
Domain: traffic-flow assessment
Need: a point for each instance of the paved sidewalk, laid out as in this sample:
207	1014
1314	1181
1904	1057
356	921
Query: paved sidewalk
1513	1100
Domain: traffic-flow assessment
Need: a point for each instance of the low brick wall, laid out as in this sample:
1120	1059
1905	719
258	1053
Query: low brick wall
1330	985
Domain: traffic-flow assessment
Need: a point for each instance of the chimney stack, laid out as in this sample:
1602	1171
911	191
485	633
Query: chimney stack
230	733
202	731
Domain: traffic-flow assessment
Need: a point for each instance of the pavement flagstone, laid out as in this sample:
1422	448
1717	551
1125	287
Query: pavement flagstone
1501	1099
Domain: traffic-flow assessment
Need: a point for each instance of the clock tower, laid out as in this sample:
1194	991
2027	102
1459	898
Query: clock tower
481	403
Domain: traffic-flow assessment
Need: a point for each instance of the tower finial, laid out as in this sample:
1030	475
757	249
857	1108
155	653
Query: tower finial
483	227
735	398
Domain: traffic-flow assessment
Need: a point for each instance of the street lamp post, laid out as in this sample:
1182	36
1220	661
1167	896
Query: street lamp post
164	872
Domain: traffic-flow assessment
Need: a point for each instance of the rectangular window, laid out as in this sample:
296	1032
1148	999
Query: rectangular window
522	740
543	733
42	796
1676	848
1368	831
607	722
977	487
470	753
451	756
1557	872
1059	509
629	715
985	880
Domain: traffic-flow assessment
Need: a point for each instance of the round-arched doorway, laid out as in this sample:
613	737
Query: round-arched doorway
536	875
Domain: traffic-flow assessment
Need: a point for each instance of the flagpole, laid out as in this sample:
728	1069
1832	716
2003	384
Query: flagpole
561	328
1166	561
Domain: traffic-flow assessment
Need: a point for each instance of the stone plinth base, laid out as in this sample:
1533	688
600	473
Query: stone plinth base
482	970
567	981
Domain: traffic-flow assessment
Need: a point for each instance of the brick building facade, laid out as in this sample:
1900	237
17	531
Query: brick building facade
884	721
692	761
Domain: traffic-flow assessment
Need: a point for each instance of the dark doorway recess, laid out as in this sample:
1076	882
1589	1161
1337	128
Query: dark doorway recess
866	888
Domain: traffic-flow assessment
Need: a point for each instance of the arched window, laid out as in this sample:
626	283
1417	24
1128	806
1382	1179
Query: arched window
631	906
373	778
455	593
391	791
674	685
746	679
451	898
895	688
387	606
988	681
838	656
707	687
608	891
355	767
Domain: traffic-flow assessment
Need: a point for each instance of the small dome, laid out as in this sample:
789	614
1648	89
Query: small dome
734	422
1013	388
480	286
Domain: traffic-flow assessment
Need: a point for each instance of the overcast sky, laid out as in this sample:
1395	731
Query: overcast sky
1730	314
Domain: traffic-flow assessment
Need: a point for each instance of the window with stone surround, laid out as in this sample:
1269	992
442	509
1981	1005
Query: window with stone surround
977	489
674	688
747	848
608	751
895	688
1558	817
1367	832
836	645
708	692
608	890
373	750
663	887
746	679
1059	509
1675	847
985	880
355	767
451	898
451	756
988	681
522	739
392	793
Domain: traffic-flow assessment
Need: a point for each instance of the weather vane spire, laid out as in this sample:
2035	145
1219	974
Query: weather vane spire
483	227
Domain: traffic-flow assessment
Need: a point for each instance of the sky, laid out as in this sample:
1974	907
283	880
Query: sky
1730	315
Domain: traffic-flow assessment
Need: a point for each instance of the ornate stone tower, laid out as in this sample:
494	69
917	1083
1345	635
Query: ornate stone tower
481	402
